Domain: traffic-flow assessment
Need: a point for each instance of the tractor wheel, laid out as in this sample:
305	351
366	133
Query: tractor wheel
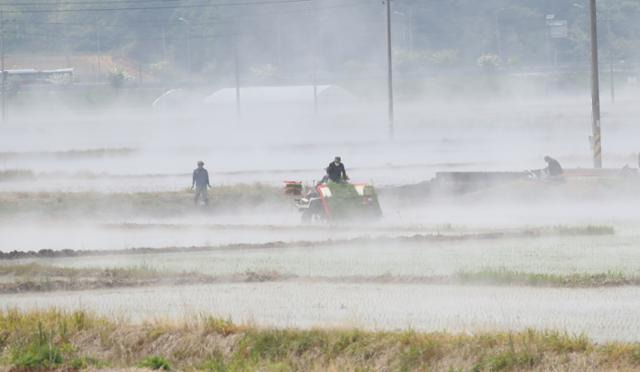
307	216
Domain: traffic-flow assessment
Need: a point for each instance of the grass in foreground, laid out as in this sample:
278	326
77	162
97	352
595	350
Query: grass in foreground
54	339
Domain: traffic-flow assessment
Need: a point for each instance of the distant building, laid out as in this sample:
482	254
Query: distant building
86	67
281	95
258	100
174	99
29	75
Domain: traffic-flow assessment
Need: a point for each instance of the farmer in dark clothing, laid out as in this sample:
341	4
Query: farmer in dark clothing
553	168
201	183
336	172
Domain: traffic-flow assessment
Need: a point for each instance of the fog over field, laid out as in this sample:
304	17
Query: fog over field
77	180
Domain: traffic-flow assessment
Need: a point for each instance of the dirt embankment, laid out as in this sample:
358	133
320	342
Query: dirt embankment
520	190
155	204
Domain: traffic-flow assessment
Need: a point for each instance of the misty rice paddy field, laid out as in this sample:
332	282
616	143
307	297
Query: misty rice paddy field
105	262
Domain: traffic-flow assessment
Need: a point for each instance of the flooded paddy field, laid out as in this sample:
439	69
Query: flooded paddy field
608	314
369	253
382	276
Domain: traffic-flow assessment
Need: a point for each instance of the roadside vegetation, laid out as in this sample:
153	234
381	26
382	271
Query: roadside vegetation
76	340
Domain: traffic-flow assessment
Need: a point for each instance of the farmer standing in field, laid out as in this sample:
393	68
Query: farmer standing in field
553	168
201	183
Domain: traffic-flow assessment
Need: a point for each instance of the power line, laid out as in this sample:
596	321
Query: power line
83	2
160	7
202	22
32	35
115	38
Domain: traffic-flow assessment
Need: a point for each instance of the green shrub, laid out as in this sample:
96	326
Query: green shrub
84	363
269	345
41	353
156	362
38	357
510	360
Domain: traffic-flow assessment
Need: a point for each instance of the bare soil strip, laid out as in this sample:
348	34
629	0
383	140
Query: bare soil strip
59	340
417	238
266	227
559	230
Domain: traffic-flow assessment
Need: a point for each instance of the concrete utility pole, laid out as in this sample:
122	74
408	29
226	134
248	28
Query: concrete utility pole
187	25
236	58
596	139
410	33
4	70
611	58
390	70
279	41
164	43
98	51
315	57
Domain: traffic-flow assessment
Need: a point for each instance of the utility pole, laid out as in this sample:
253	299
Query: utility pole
279	59
187	25
611	58
390	71
4	70
98	51
189	62
237	76
410	28
315	57
596	140
164	43
498	34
